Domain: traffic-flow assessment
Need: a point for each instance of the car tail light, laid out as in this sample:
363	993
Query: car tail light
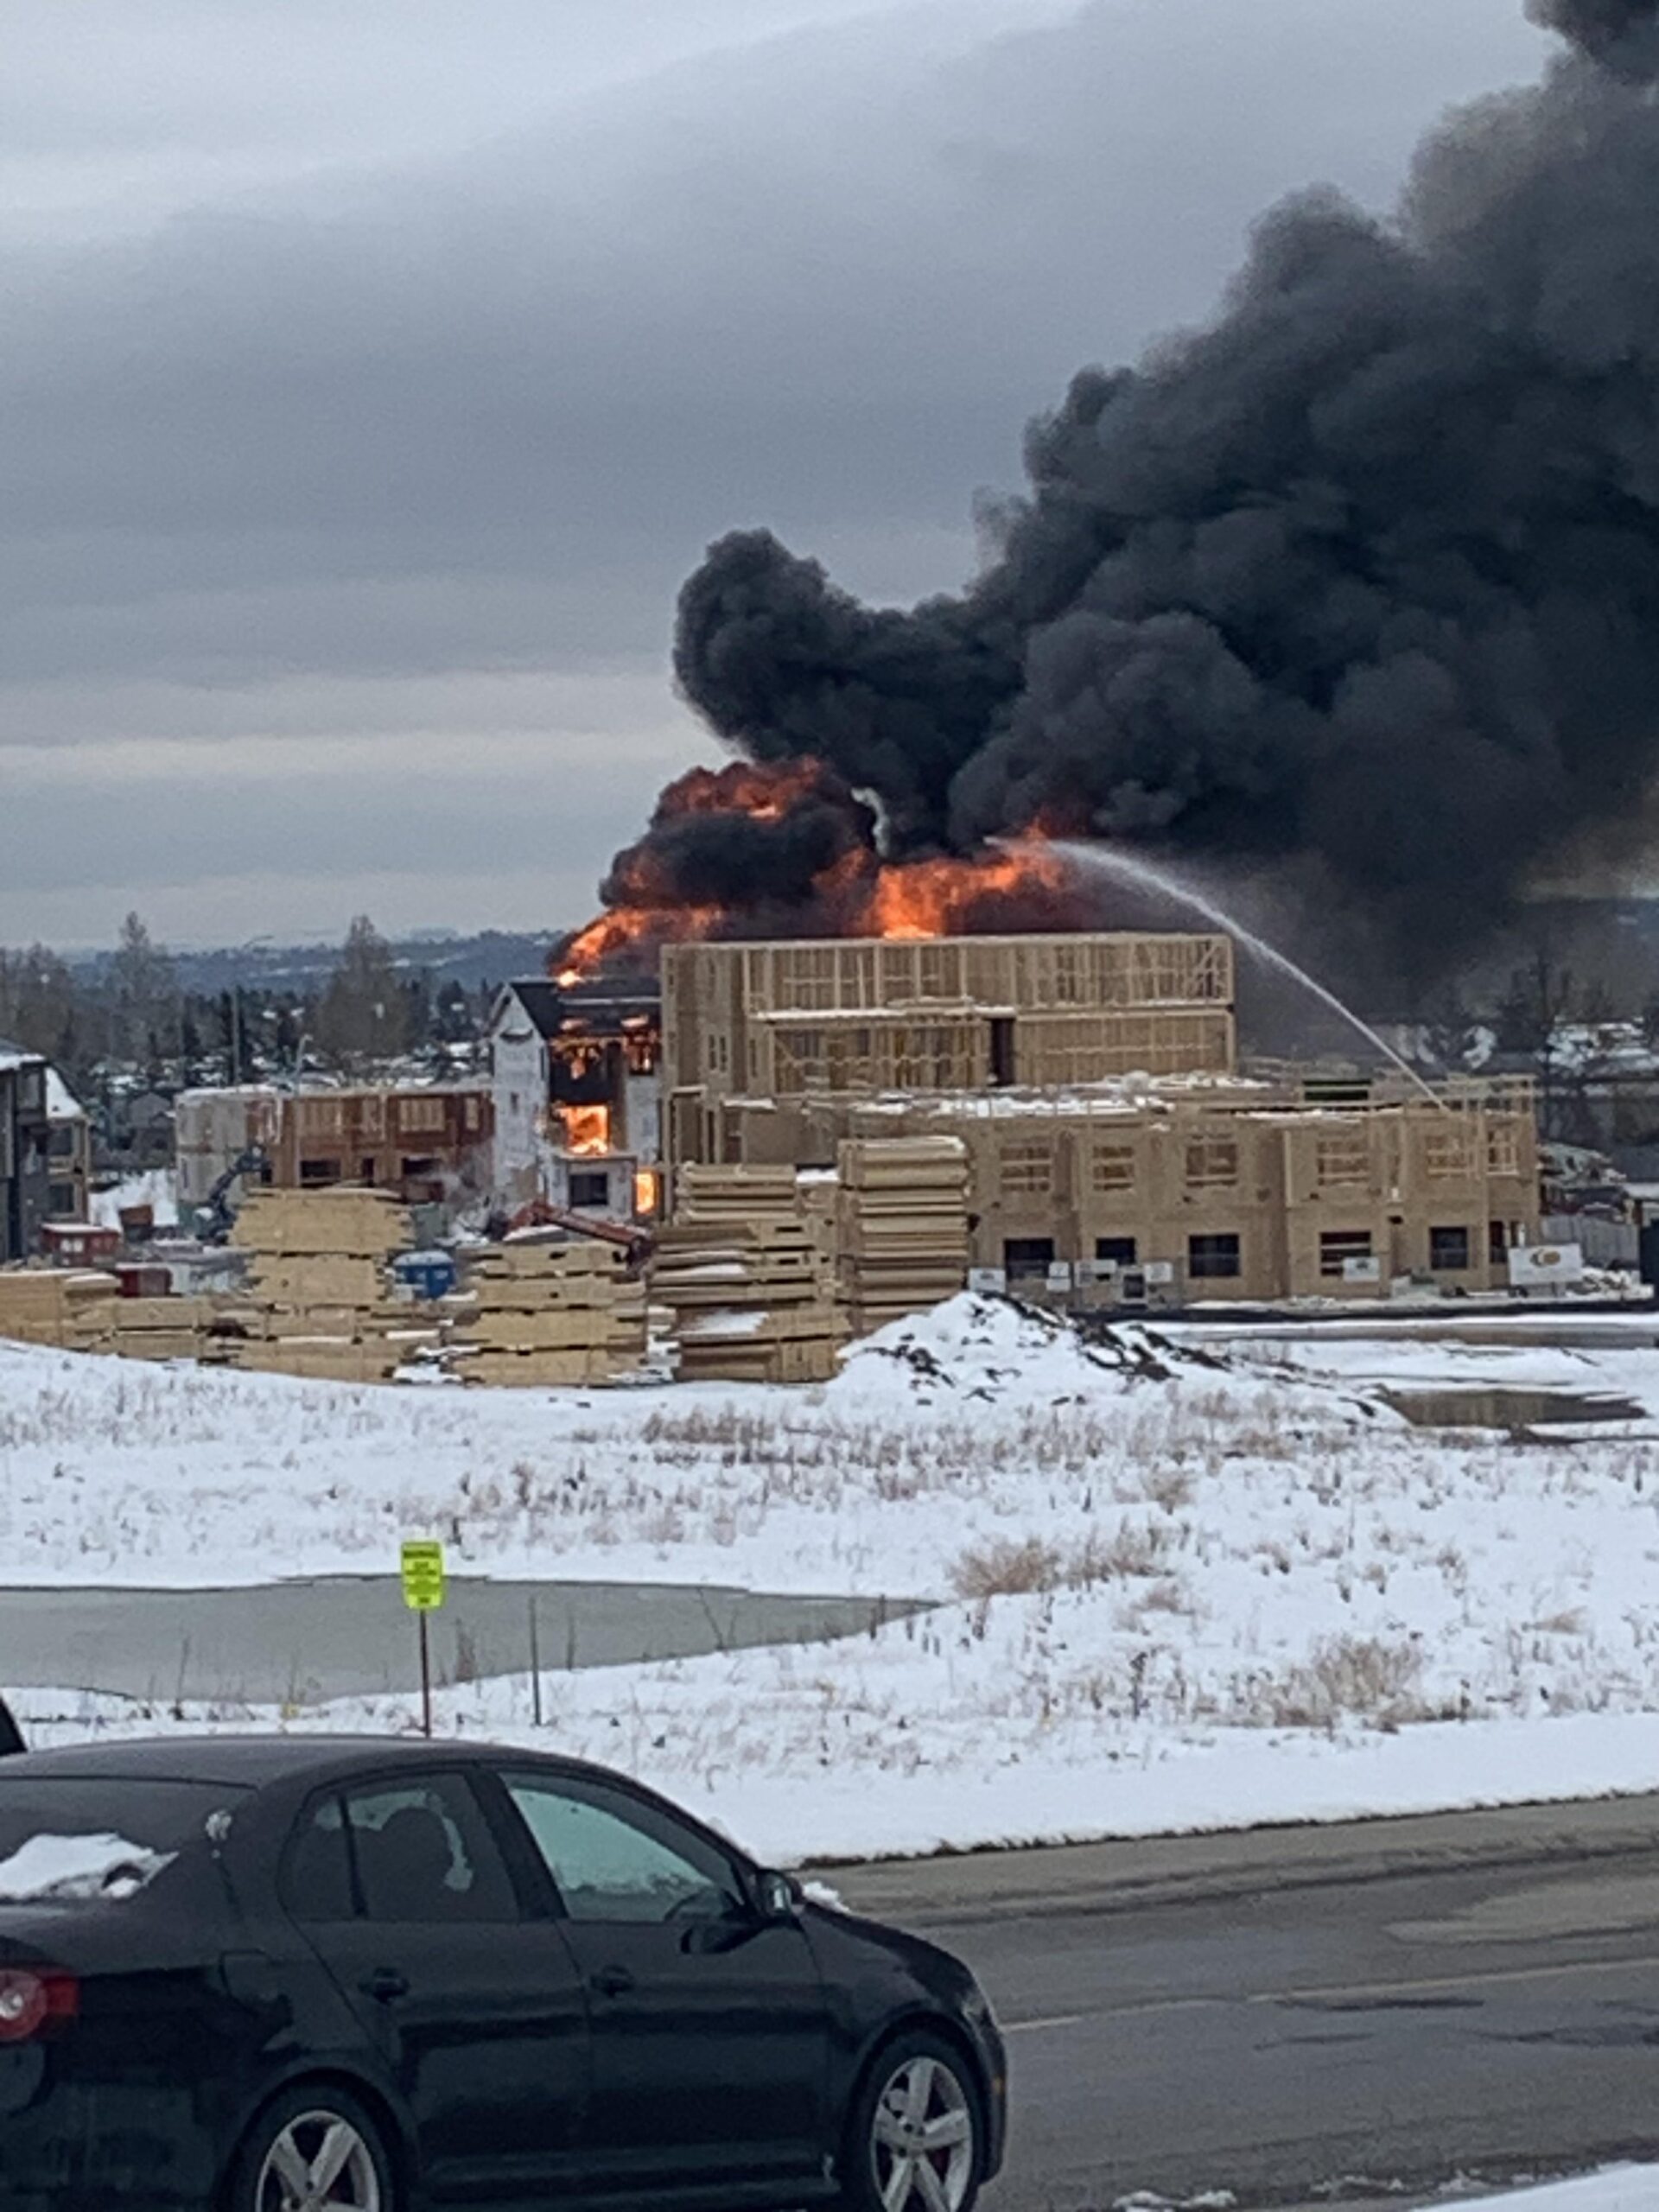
34	2001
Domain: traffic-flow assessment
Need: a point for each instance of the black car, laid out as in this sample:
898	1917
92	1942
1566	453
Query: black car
281	1975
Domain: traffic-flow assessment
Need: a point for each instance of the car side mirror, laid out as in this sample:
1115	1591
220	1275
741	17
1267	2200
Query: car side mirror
779	1896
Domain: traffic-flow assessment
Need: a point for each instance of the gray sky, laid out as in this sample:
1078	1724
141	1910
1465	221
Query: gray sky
370	378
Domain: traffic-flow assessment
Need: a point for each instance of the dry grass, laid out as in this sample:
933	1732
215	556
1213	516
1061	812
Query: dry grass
1006	1568
1002	1569
1375	1680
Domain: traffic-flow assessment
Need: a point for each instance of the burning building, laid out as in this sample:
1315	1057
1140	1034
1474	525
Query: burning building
1352	587
577	1090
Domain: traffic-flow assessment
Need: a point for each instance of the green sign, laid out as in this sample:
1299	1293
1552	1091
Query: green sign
424	1577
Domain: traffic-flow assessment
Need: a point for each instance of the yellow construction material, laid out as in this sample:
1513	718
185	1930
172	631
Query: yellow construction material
747	1279
902	1226
546	1312
319	1302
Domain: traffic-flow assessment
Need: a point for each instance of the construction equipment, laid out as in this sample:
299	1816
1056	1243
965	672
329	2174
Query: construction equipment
627	1236
216	1218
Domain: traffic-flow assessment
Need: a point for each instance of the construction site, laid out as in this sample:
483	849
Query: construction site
1112	1141
798	1142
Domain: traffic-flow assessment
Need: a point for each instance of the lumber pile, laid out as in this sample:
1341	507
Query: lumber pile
747	1280
320	1302
542	1311
68	1308
81	1310
902	1226
159	1328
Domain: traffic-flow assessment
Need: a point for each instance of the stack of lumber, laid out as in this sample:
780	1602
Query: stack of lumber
747	1280
80	1310
538	1311
160	1328
902	1233
66	1308
818	1191
320	1303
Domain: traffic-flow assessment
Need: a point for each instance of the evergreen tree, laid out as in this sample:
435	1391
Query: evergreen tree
144	994
360	1018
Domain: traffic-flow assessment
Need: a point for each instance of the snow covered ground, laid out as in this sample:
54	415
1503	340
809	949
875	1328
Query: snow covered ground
1178	1588
1621	2189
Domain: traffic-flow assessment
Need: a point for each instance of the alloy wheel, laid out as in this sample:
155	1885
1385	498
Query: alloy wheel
923	2143
318	2162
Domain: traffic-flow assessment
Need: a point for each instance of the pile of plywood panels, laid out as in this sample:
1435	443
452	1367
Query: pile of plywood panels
902	1225
747	1279
68	1308
82	1311
323	1224
542	1311
160	1328
320	1303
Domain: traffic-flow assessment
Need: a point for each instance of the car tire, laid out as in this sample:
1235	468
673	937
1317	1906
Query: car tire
318	2135
919	2103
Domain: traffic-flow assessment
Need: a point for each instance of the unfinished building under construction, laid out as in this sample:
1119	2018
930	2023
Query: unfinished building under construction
1113	1146
748	1027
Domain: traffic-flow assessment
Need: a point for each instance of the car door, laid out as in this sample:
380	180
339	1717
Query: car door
710	2026
476	2008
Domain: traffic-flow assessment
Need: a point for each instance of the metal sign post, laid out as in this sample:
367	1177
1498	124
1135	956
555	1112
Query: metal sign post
423	1567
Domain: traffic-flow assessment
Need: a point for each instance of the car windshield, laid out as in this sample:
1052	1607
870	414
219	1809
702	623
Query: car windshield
97	1840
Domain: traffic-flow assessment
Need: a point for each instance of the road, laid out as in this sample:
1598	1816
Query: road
349	1636
1298	2015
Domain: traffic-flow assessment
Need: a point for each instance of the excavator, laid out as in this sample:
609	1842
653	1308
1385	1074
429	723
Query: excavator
216	1218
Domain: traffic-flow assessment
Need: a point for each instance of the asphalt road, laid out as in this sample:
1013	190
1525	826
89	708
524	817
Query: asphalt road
349	1636
1301	2017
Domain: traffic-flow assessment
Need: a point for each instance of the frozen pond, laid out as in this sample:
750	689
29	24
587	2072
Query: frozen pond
350	1636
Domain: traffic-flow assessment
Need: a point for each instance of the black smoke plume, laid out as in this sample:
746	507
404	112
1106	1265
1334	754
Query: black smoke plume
1610	30
733	838
1361	581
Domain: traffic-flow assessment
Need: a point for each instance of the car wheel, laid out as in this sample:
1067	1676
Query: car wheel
315	2150
916	2142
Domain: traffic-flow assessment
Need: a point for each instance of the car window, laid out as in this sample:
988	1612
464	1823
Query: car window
410	1852
615	1859
100	1840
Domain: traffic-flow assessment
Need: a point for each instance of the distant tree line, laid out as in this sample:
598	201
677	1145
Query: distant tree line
123	1018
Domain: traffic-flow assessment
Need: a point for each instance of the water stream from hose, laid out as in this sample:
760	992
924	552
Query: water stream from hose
1124	868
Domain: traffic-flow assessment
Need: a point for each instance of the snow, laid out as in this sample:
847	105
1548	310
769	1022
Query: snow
62	1104
1181	1581
155	1188
1621	2189
61	1869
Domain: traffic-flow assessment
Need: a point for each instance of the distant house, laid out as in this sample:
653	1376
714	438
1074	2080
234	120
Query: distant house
25	1152
425	1143
135	1131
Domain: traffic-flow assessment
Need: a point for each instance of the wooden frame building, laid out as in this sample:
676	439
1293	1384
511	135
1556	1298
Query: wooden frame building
800	1020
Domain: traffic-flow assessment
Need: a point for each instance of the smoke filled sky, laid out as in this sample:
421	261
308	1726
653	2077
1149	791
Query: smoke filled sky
371	378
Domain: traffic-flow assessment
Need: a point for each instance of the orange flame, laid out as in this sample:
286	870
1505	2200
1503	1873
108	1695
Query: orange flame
587	1129
944	898
858	894
627	929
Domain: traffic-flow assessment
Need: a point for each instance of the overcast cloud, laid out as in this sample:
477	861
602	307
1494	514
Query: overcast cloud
370	378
